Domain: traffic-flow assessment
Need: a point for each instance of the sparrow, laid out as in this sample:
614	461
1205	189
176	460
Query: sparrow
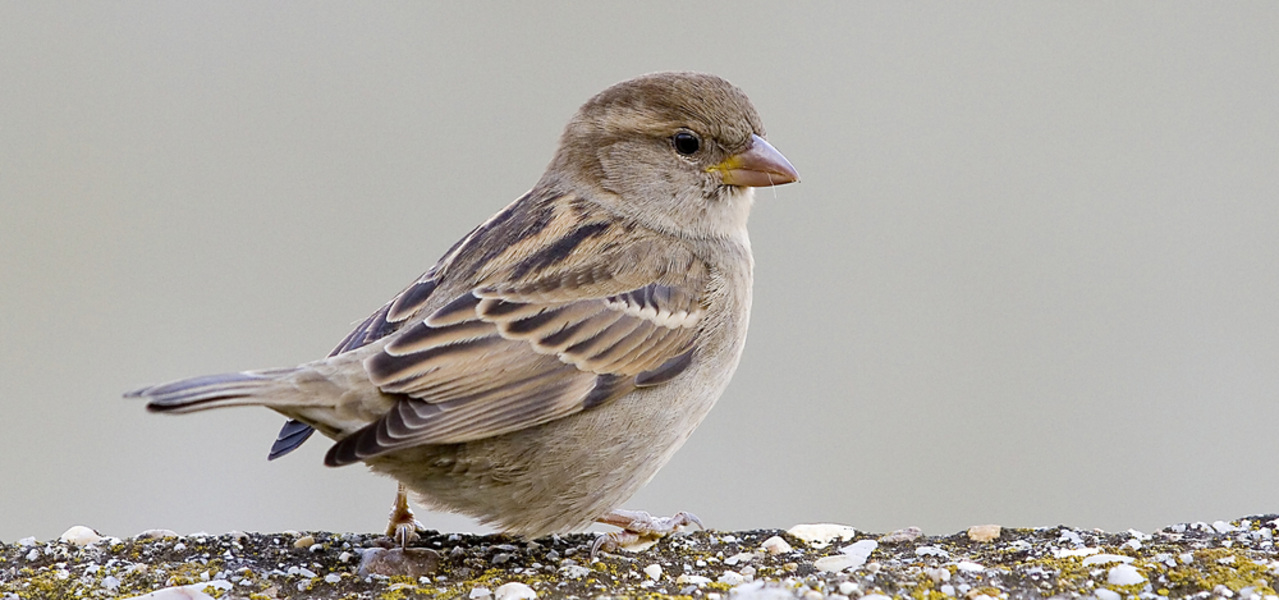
558	355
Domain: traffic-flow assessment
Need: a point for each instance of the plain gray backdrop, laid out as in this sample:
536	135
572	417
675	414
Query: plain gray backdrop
1031	275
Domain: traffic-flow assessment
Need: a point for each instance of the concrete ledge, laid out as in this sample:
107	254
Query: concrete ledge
1237	559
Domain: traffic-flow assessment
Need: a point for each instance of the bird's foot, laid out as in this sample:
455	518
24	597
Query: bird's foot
638	526
403	527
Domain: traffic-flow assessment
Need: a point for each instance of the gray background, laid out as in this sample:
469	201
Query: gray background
1029	277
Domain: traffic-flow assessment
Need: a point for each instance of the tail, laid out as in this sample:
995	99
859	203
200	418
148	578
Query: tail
249	388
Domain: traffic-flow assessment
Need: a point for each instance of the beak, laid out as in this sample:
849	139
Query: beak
760	165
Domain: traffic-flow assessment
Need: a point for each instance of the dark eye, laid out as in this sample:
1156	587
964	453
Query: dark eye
686	143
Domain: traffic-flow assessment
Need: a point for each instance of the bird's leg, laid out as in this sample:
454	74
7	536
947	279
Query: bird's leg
402	526
638	525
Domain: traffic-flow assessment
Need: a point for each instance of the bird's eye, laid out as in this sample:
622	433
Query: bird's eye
686	143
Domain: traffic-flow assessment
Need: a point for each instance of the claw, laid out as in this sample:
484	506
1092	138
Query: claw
402	526
638	526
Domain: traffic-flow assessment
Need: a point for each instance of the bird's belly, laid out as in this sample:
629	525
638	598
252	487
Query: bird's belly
562	475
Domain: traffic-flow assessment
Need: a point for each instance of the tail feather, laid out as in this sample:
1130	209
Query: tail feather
211	391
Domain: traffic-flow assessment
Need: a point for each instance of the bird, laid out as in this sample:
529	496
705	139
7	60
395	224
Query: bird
545	368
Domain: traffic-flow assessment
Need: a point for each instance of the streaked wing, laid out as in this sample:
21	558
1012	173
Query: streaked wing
385	321
495	361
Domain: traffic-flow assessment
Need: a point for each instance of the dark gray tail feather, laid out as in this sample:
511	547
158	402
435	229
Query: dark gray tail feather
211	391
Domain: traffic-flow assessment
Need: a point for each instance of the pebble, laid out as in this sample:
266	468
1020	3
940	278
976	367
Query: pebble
847	588
514	591
305	541
79	535
776	545
575	571
984	533
820	535
740	557
696	580
1105	594
731	578
480	592
195	591
156	534
908	534
1103	559
1125	575
654	571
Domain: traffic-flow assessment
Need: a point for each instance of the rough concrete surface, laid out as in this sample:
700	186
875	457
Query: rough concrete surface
1235	559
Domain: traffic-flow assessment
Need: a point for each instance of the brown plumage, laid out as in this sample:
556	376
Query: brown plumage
555	357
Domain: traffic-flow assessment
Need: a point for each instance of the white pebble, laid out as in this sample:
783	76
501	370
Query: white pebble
1075	552
696	580
79	535
514	591
305	541
110	582
862	548
1105	594
27	541
574	571
1224	527
847	588
875	597
820	535
1125	575
969	566
947	589
345	557
332	578
194	591
740	557
480	592
837	563
731	578
654	571
1103	559
776	545
156	534
931	551
33	554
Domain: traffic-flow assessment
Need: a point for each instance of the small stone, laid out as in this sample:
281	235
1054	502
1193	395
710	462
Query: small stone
411	562
1125	575
305	541
1105	559
984	533
776	545
574	571
79	535
969	566
847	588
908	534
1105	594
741	557
696	580
820	535
731	578
152	534
332	578
480	592
837	563
514	591
654	571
